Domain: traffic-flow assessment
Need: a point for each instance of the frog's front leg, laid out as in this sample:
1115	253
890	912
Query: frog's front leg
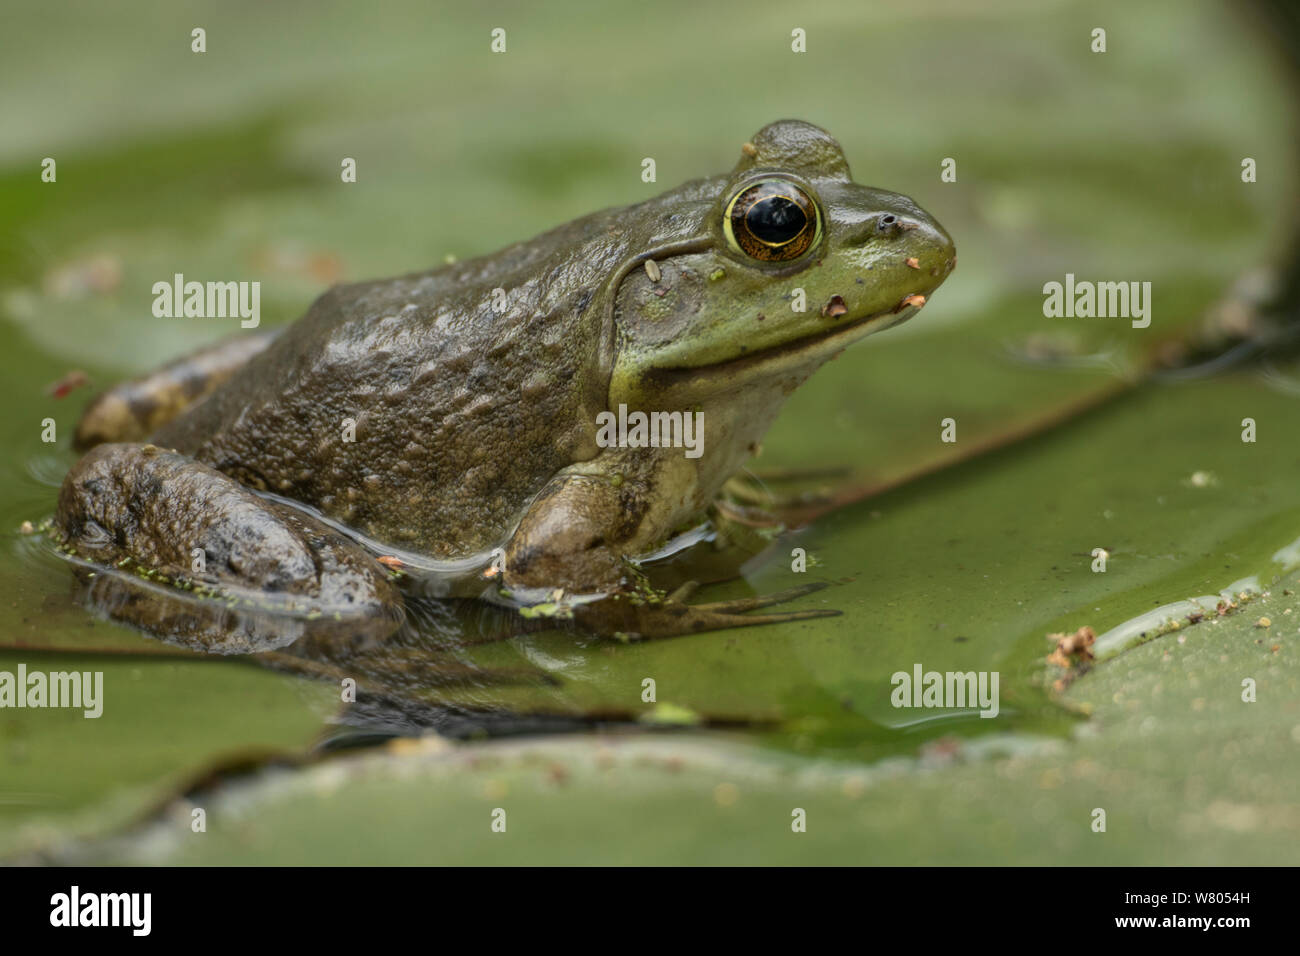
171	519
575	536
571	535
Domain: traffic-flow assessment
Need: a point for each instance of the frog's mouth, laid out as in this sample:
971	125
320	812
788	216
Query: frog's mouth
804	354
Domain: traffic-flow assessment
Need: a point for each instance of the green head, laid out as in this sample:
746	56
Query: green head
791	263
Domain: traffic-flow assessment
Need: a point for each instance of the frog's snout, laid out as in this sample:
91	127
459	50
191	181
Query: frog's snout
911	234
934	254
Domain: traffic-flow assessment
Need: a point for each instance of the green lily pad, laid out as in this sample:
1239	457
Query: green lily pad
1181	768
162	722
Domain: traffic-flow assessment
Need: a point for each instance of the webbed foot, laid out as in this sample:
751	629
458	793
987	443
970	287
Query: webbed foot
636	618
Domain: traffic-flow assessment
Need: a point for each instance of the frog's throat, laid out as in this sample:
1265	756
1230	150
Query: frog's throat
805	355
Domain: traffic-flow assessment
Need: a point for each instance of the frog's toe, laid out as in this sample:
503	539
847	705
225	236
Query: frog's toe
741	605
199	539
674	617
132	410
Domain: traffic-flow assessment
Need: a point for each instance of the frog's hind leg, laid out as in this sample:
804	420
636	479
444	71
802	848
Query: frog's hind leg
186	552
133	410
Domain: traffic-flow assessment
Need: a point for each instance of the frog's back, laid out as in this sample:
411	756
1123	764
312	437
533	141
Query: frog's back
413	411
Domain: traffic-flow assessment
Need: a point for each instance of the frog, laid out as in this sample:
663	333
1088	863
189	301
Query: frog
440	433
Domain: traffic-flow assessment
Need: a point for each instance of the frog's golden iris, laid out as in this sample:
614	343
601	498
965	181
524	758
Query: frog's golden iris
772	221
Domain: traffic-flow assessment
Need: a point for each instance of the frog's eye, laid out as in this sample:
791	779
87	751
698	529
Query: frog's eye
773	221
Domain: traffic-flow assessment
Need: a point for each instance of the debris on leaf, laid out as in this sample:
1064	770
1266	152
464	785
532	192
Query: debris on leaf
1073	654
726	794
69	383
293	258
77	280
942	751
1073	648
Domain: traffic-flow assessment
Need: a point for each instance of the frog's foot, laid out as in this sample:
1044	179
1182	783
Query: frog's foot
637	619
184	551
132	410
757	497
574	539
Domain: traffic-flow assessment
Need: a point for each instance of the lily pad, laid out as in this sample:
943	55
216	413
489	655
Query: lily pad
1183	770
162	722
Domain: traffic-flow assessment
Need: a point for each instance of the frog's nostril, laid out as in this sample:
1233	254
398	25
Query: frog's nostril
891	225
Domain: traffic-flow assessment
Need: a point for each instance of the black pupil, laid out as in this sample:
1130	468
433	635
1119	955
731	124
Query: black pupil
775	220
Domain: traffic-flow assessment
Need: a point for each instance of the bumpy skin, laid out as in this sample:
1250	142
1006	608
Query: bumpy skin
268	558
475	428
119	487
462	413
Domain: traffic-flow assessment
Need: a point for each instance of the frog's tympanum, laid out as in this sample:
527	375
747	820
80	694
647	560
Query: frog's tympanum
446	425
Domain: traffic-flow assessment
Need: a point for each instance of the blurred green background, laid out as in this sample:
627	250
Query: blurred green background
1121	166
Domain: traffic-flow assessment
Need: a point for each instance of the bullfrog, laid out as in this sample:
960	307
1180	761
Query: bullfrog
448	432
